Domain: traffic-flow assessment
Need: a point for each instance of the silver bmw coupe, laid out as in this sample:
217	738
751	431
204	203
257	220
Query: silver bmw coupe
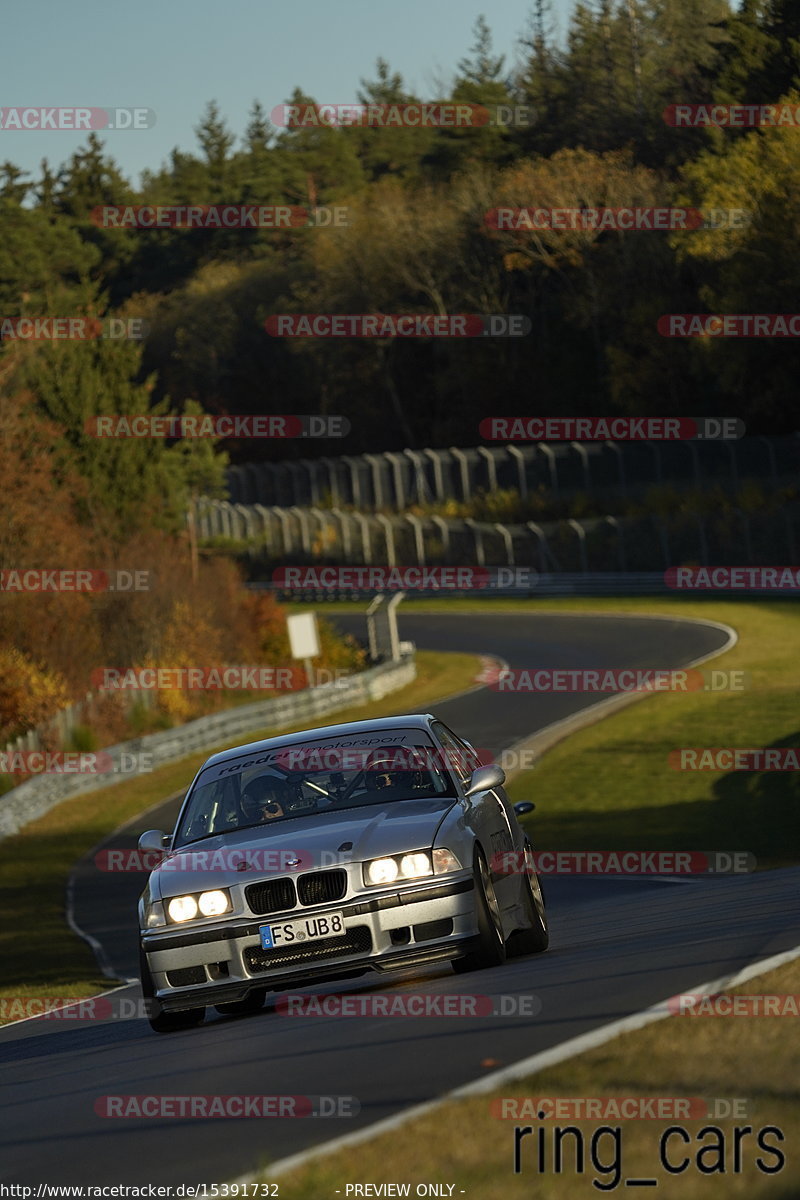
373	846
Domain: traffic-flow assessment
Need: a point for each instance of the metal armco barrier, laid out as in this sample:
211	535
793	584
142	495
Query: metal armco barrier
395	480
38	795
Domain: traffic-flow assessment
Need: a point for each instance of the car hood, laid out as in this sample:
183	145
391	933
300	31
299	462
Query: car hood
374	830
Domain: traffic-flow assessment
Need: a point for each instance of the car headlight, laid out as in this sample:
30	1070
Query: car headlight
444	860
381	870
413	865
213	904
182	908
206	904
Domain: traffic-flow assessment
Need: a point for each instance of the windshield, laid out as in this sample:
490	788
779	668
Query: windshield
301	780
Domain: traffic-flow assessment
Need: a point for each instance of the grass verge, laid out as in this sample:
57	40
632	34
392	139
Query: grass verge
610	786
465	1144
41	956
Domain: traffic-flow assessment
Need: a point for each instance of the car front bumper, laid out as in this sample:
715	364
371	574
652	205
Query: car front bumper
390	930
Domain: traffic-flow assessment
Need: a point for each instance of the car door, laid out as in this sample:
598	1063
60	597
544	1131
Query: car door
488	814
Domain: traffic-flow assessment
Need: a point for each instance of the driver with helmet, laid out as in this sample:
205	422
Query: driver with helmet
266	798
386	772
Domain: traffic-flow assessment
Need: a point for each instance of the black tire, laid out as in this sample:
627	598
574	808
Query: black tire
491	948
252	1003
160	1021
536	937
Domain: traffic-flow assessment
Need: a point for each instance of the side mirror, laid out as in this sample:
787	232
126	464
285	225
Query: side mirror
485	778
524	806
154	839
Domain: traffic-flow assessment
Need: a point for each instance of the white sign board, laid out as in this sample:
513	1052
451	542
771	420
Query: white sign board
303	635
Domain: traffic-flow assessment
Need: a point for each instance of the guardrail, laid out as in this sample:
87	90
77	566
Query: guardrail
567	583
271	537
38	795
395	480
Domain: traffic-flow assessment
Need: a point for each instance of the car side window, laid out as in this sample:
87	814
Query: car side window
457	755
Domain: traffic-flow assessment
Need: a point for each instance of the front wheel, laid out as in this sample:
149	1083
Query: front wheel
160	1021
491	948
536	937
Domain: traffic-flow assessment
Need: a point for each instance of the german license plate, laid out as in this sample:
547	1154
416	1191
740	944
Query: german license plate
304	929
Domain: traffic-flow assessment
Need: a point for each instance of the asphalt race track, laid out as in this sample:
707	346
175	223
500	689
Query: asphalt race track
618	945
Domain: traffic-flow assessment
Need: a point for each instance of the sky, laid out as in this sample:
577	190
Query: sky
173	56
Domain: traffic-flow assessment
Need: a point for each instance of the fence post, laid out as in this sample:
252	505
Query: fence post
444	528
305	538
422	489
419	541
345	532
372	633
509	542
491	469
377	481
545	552
478	538
355	478
394	639
551	460
286	535
438	474
587	474
576	525
399	489
522	476
389	535
366	541
461	459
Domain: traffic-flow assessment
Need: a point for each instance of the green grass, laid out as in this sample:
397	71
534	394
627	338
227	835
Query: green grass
610	786
41	956
463	1143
